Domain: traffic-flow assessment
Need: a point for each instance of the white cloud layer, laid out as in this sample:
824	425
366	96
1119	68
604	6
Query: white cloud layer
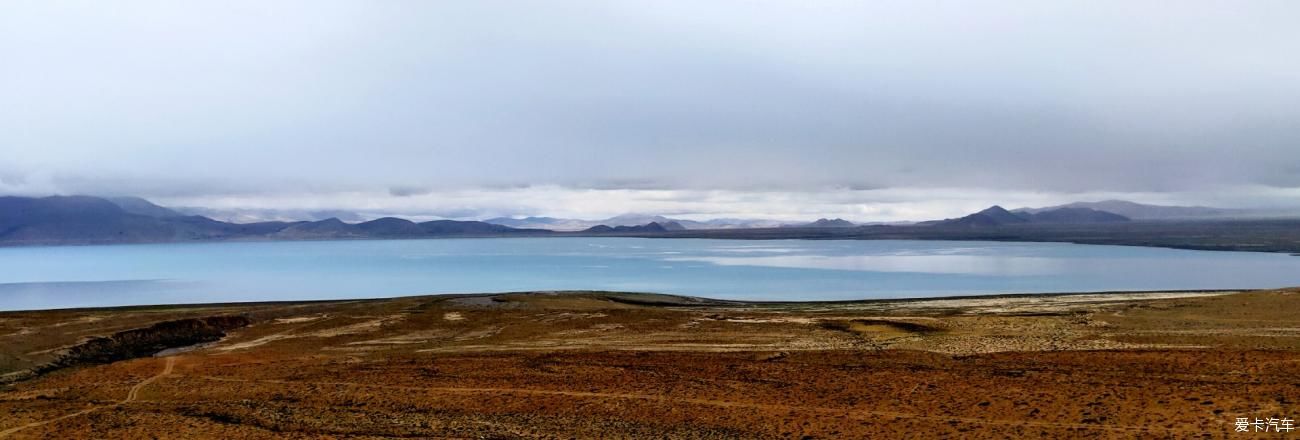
879	205
589	108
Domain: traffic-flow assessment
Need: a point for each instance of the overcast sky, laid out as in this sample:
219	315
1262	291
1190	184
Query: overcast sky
867	110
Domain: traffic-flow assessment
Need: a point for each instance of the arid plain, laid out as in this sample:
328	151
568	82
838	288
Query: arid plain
620	365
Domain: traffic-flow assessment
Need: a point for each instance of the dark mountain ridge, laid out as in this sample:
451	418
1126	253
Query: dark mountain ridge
999	216
570	224
824	223
1076	215
648	227
390	227
92	220
95	220
1139	211
136	205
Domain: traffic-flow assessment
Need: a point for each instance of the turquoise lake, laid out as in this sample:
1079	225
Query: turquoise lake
776	270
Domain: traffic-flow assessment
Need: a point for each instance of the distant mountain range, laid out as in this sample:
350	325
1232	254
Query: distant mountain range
86	220
1138	211
258	215
91	220
648	227
392	227
1134	211
565	224
998	216
1106	211
824	223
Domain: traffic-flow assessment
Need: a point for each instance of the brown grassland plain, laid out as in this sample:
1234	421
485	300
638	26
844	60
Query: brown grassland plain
618	365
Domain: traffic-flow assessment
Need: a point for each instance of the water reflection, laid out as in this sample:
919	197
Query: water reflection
919	263
786	270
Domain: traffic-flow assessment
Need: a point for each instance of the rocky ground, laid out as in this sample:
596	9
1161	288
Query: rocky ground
616	365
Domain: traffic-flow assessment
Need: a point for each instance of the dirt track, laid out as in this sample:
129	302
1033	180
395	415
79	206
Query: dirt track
130	396
600	366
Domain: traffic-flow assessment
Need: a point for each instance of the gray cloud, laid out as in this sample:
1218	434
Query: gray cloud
407	191
12	178
241	99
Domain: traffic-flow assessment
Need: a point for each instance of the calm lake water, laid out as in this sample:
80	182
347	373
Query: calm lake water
81	276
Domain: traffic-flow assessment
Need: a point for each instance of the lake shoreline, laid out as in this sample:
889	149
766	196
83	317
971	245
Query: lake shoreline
1242	235
673	300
